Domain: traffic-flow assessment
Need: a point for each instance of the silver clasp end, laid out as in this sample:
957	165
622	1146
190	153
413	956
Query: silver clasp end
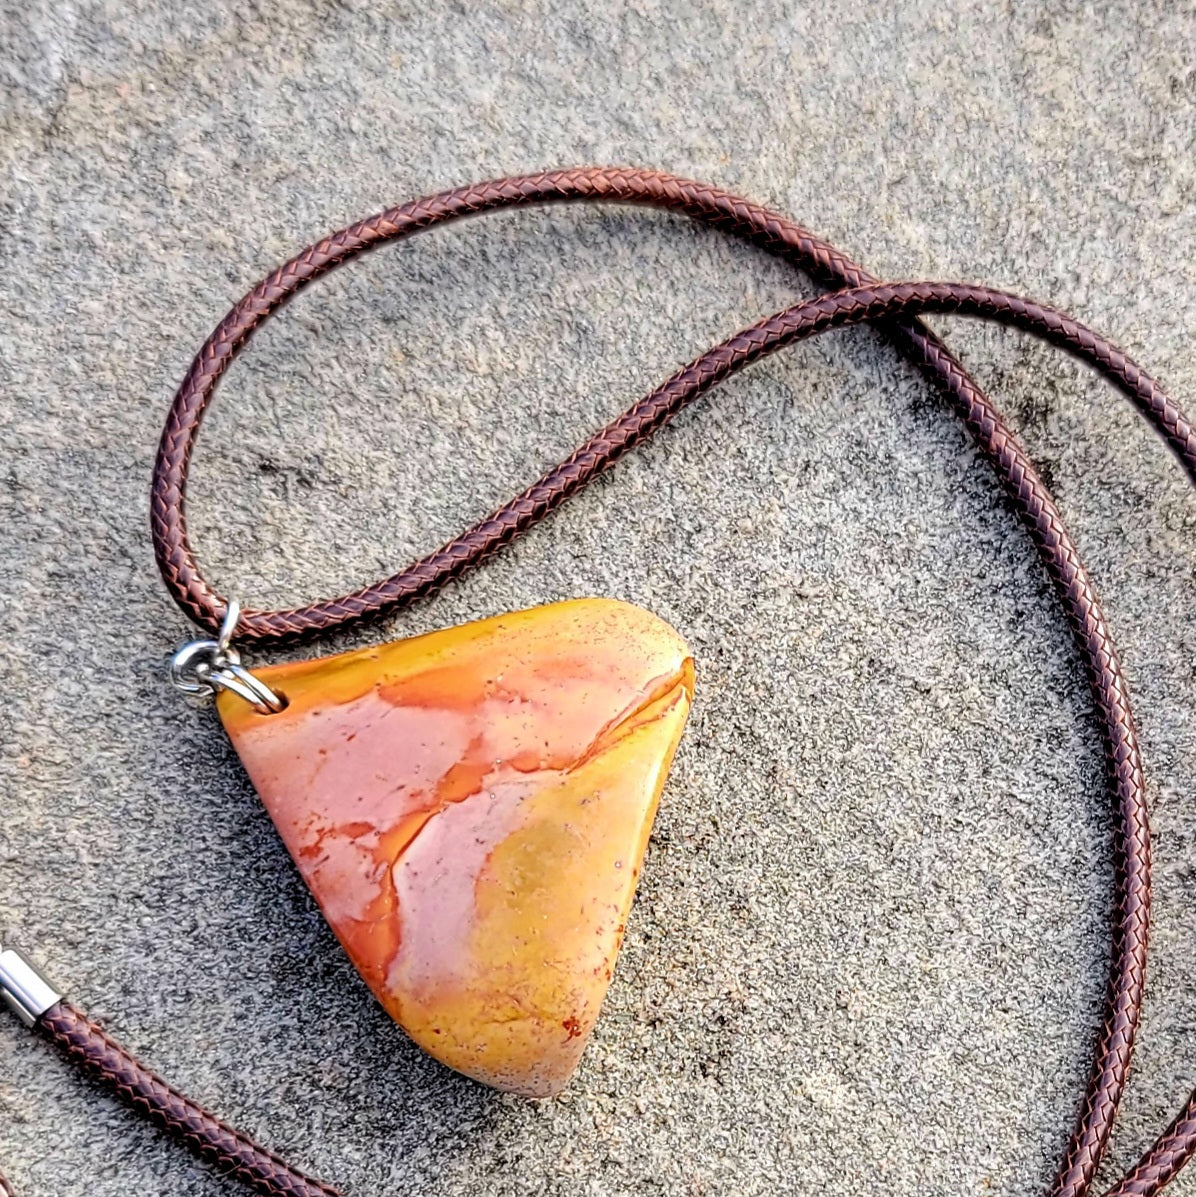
28	994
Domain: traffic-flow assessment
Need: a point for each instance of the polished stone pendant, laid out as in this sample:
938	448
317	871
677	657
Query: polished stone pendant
470	809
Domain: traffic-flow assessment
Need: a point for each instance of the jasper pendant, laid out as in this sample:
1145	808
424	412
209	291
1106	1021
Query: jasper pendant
470	809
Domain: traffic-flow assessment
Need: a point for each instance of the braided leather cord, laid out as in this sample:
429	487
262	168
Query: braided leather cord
766	229
1159	1165
861	302
228	1149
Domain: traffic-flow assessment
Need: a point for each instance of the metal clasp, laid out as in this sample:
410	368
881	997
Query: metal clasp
27	993
206	666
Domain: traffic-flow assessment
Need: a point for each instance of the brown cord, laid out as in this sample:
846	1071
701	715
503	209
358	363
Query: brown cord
108	1062
895	306
1158	1167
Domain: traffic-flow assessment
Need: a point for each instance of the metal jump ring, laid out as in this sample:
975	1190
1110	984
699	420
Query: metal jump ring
235	677
207	666
224	640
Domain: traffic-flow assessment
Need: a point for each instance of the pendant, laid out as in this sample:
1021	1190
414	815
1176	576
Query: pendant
470	809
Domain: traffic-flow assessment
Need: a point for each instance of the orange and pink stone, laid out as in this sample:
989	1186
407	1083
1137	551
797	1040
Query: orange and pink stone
470	809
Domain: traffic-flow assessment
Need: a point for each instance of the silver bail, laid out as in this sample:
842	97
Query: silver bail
28	994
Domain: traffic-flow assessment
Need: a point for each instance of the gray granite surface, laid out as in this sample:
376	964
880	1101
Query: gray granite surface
869	950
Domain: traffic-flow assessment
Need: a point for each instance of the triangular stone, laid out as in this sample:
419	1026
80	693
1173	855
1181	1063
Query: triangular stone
470	809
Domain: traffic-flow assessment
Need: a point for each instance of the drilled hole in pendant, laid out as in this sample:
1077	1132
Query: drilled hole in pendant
266	712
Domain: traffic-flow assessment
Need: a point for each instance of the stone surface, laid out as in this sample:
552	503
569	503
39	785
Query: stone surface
869	946
470	809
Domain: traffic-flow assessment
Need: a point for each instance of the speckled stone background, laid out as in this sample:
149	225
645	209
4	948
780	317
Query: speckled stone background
870	947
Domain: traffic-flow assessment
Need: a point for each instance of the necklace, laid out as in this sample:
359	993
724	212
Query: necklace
470	807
